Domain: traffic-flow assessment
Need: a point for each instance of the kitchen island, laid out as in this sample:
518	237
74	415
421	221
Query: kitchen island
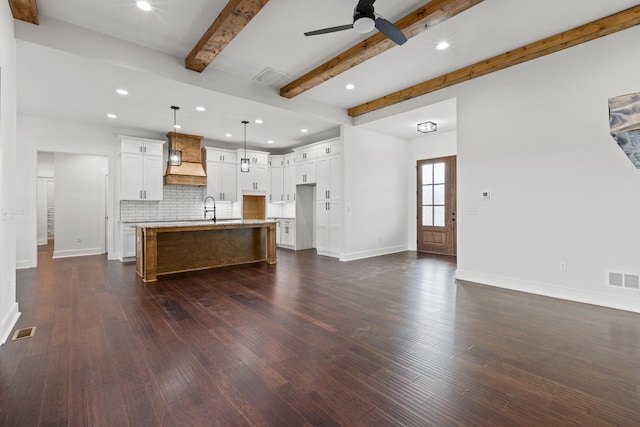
175	247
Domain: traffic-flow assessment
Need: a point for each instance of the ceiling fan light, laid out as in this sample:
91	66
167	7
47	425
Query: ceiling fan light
364	25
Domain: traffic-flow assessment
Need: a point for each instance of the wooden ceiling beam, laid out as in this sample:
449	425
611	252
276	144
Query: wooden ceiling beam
25	10
602	27
432	13
233	18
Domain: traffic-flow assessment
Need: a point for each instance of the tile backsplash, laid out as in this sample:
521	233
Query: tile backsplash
180	203
186	202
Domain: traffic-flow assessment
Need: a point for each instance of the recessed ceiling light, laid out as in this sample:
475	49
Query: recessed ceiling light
201	109
442	46
270	141
304	130
144	5
112	116
259	121
228	135
177	127
122	92
350	86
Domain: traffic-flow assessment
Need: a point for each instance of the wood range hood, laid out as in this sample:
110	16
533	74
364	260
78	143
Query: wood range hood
191	171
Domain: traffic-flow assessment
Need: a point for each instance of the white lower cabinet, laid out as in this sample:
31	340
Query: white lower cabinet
128	242
288	233
329	228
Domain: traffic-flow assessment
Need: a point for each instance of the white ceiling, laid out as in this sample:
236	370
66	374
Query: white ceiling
71	86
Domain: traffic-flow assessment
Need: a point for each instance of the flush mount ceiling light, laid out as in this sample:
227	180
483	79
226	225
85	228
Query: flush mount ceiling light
175	156
364	24
427	127
144	5
244	162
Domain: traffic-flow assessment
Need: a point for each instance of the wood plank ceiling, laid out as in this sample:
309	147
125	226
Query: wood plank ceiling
25	10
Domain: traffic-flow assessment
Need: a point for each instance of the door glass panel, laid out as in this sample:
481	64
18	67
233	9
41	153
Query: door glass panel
438	173
438	194
427	174
438	216
427	215
427	194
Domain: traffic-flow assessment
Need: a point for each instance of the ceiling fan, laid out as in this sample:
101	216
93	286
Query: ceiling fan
364	20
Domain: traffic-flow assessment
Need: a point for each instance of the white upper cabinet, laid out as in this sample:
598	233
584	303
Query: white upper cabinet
258	178
276	194
141	169
221	174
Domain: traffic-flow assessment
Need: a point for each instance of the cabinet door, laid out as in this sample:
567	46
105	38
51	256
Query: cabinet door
335	179
261	173
289	184
152	177
277	183
229	188
214	180
323	178
246	179
153	149
131	185
131	146
129	242
322	227
335	228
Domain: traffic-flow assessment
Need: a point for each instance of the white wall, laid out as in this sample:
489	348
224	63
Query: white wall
80	204
536	136
429	146
8	209
375	196
41	134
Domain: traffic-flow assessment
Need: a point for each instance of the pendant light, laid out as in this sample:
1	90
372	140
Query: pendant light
175	156
244	162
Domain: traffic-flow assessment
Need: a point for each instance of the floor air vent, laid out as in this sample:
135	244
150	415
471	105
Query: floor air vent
24	333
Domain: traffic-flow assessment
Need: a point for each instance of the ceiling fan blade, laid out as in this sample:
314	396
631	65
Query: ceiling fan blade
329	30
390	30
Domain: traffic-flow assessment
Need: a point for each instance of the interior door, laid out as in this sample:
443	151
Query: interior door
437	205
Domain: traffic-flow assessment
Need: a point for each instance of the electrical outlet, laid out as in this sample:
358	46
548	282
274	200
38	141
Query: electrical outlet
563	266
79	239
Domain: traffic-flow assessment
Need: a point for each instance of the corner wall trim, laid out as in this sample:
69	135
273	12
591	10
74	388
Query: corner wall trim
8	322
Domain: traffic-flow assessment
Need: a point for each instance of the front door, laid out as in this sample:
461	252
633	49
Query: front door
437	205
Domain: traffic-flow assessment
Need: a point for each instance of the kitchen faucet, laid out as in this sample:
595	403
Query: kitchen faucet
206	209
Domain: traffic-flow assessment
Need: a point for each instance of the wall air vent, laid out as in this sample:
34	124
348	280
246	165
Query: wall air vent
631	281
615	279
623	280
271	77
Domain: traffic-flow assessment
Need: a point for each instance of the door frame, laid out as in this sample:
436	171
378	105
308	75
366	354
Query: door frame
449	247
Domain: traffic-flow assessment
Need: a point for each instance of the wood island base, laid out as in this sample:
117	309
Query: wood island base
168	248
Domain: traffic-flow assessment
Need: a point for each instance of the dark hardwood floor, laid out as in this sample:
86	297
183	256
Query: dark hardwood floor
311	341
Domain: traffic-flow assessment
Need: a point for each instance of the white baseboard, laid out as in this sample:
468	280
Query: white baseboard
549	290
8	322
21	264
372	253
77	252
